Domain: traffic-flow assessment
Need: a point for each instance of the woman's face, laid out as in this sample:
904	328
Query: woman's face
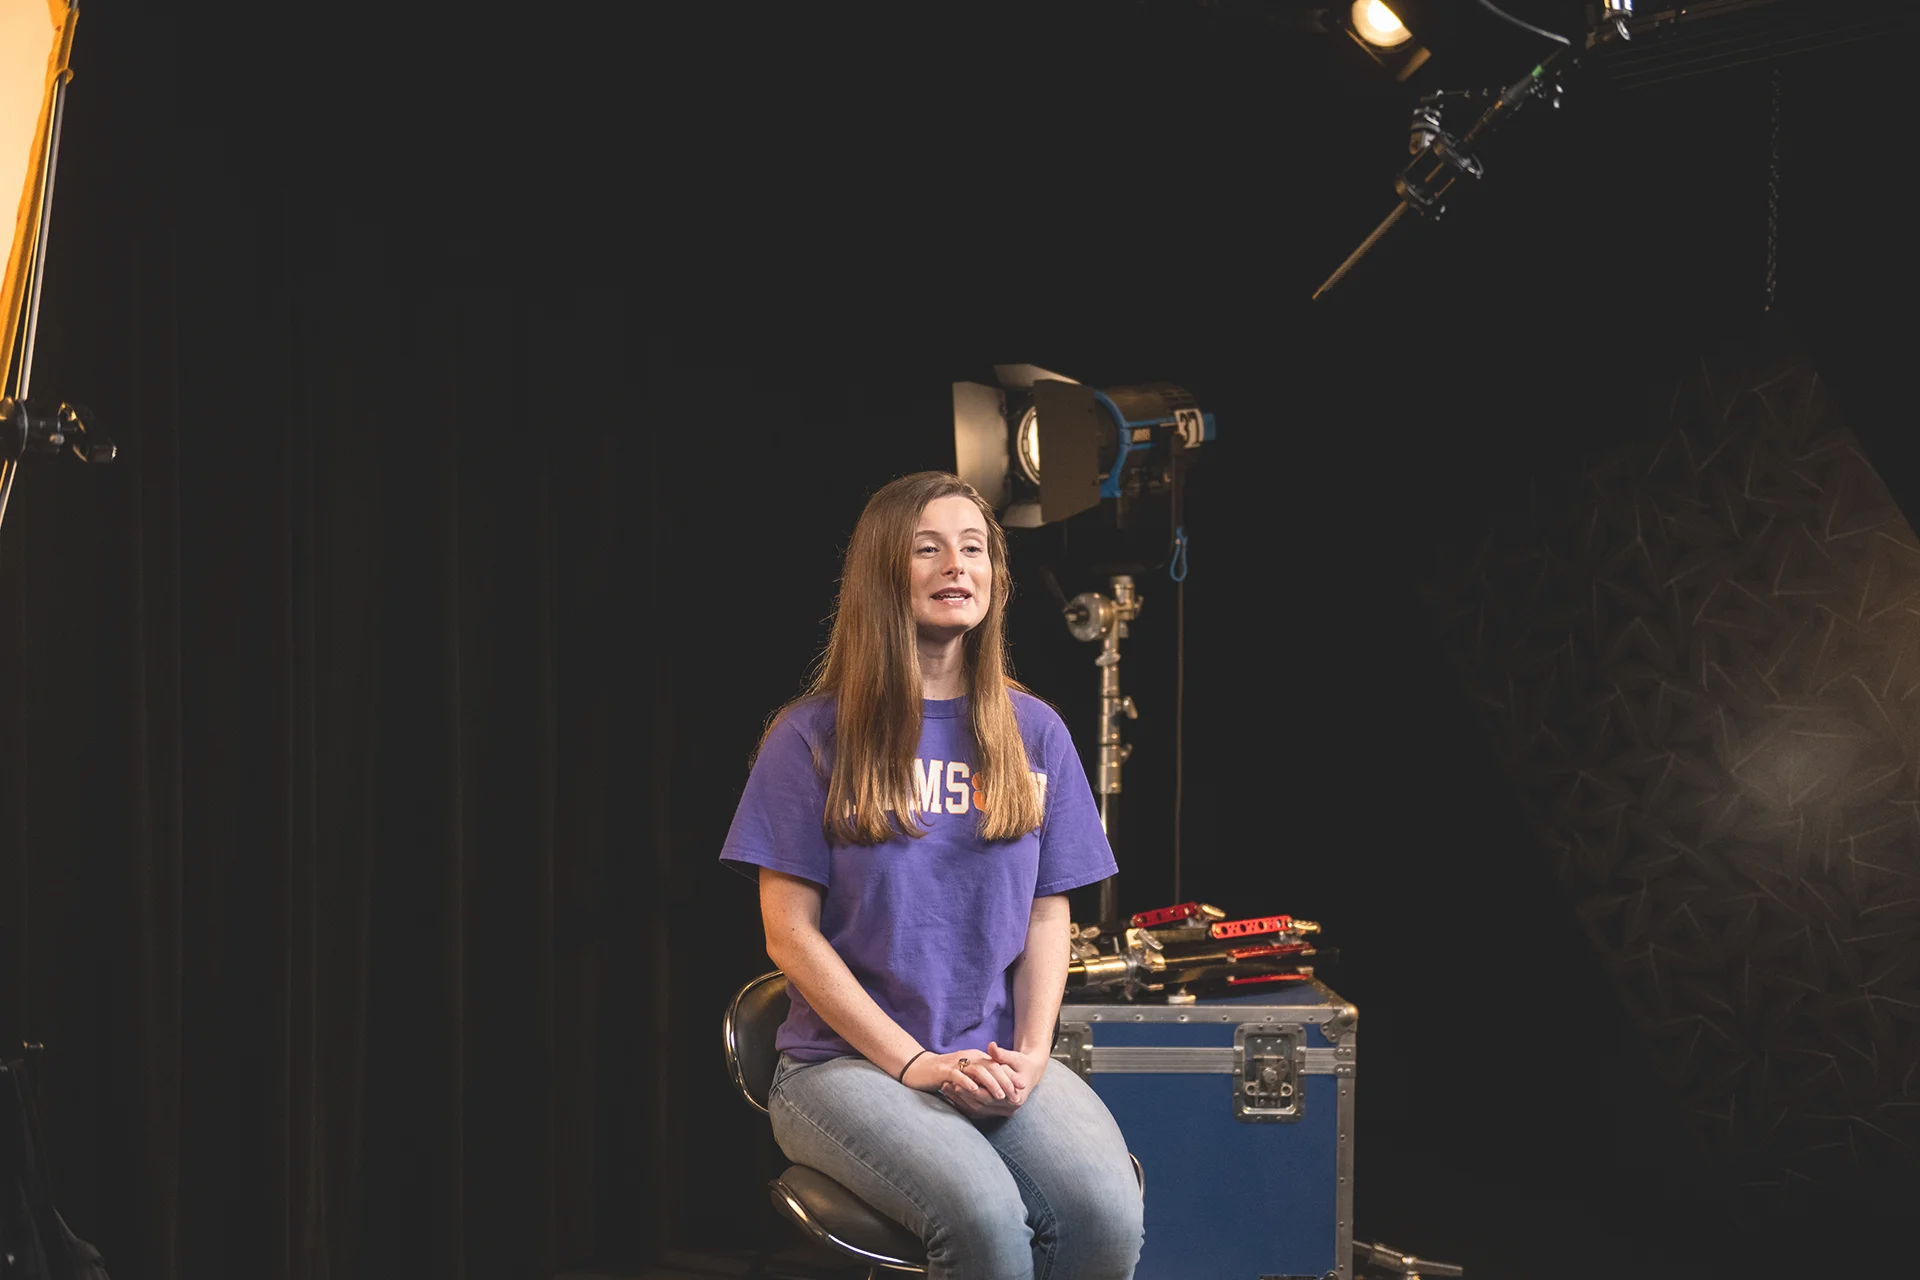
952	571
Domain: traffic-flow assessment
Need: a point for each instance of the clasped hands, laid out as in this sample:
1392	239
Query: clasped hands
990	1083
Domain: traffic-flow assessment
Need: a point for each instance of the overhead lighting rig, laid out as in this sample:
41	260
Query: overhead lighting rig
1637	44
1671	39
1441	156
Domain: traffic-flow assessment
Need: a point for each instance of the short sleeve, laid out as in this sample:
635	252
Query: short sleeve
1073	845
778	824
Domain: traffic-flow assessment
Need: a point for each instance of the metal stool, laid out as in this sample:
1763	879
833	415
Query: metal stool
814	1202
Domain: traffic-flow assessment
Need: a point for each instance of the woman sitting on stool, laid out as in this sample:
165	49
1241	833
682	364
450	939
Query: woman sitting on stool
917	819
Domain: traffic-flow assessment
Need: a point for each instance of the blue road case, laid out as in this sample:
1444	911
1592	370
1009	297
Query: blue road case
1241	1112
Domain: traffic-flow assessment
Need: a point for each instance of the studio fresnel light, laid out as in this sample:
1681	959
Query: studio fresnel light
1043	448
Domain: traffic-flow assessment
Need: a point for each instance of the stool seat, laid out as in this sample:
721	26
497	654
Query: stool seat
836	1217
816	1203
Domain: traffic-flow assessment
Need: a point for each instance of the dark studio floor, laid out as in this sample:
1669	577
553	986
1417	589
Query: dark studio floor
1505	1232
797	1260
797	1263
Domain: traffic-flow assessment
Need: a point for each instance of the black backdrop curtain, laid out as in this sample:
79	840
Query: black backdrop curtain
353	951
314	736
365	738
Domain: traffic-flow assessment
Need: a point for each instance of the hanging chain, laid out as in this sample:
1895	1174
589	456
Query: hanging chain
1773	193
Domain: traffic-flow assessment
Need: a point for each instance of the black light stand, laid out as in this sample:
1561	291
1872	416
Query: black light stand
28	430
37	1240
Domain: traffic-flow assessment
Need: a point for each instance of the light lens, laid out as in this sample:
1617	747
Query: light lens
1026	445
1378	25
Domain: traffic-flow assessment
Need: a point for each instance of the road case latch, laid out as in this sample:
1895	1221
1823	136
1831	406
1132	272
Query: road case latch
1073	1048
1270	1060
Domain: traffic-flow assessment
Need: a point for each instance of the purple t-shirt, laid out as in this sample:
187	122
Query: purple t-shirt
929	926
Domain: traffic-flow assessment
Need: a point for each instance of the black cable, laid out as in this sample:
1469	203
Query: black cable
1179	718
1177	570
1498	12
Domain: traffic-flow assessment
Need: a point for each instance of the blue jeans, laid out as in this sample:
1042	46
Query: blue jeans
1046	1193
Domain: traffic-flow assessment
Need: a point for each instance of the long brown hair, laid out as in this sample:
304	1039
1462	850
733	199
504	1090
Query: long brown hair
871	669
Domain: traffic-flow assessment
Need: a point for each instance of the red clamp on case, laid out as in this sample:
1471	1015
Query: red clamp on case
1247	928
1165	915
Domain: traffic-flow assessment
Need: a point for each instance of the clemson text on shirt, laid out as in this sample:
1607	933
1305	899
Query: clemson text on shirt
951	786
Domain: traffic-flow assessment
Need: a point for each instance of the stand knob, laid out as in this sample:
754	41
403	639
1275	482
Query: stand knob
31	430
1089	615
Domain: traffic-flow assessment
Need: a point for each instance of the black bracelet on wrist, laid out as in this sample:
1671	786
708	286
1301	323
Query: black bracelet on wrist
902	1077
